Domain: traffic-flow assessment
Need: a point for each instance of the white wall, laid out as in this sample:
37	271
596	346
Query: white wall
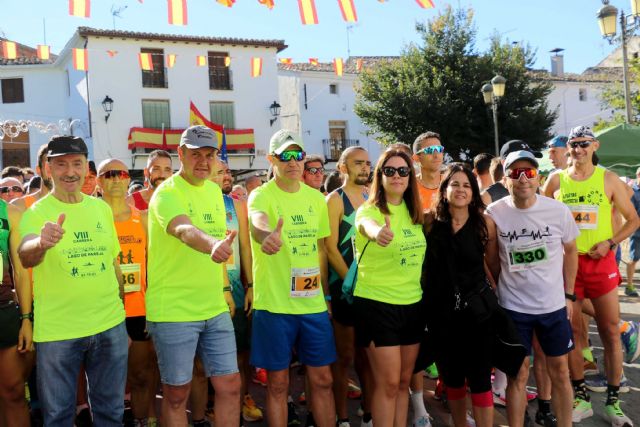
571	111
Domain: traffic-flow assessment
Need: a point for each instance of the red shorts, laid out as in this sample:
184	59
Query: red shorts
596	277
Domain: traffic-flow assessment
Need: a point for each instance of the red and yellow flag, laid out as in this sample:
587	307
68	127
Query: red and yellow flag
425	4
313	61
268	3
308	13
201	60
338	66
359	63
177	12
80	8
286	61
348	10
256	67
44	52
227	3
112	53
227	61
171	60
10	50
146	63
80	59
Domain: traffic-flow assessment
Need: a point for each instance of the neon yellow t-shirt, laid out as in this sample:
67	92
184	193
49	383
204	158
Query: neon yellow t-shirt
184	285
288	282
77	293
390	274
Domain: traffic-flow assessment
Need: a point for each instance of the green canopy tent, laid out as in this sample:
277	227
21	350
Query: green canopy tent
620	149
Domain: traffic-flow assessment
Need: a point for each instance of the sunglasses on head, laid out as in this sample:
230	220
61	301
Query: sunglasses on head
529	173
288	155
115	174
390	171
432	149
581	144
314	171
14	188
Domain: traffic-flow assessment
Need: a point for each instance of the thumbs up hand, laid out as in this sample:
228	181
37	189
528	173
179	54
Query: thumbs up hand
223	249
51	233
384	236
272	243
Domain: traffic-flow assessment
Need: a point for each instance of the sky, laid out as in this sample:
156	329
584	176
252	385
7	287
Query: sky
383	29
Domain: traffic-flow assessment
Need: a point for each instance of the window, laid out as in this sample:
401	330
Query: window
582	94
155	114
222	114
219	74
333	89
12	91
156	77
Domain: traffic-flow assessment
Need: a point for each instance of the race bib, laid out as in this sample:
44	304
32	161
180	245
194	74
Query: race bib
305	282
527	256
131	277
585	216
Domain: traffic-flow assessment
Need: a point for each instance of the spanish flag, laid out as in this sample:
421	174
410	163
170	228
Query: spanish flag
256	67
171	60
80	8
80	59
196	118
286	61
338	65
348	10
268	3
112	53
227	3
227	61
177	12
44	52
201	60
425	4
146	64
313	61
359	62
308	12
10	50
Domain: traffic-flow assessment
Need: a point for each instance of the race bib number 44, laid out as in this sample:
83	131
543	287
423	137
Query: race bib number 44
586	216
305	282
131	277
524	257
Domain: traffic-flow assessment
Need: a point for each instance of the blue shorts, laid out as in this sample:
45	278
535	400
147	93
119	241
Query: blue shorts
634	248
552	329
274	337
177	343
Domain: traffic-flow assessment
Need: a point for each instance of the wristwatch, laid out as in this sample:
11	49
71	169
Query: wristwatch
612	244
27	316
570	297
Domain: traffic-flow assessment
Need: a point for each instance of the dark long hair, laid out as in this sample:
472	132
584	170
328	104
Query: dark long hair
411	195
476	207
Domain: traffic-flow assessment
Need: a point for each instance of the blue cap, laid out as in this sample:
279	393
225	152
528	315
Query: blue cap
559	141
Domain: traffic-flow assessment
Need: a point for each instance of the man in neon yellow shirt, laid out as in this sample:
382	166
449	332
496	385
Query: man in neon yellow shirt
70	241
288	222
187	309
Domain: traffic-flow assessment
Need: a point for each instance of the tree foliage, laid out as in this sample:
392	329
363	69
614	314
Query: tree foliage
612	98
435	85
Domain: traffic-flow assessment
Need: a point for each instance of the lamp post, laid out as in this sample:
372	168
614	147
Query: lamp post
275	112
607	19
492	92
107	105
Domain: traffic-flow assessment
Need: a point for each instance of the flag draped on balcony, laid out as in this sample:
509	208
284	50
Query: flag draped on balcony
348	10
9	50
80	59
286	60
171	60
268	3
308	13
201	60
338	66
80	8
44	52
146	63
425	4
227	61
112	53
313	61
177	12
256	67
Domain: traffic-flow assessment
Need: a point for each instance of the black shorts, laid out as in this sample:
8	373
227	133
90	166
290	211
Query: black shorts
387	324
552	329
137	328
242	330
9	324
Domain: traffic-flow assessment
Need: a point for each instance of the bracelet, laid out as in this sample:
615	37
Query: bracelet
226	289
27	316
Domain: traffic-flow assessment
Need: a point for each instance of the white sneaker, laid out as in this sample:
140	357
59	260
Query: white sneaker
500	399
470	421
369	424
423	421
344	424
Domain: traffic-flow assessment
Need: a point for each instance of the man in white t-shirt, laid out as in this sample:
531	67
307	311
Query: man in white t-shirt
535	260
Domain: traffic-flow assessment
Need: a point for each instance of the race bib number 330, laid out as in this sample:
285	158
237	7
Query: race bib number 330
528	256
305	282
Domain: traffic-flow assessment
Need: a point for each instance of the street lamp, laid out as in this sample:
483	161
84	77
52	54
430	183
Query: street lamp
628	23
107	106
491	93
275	112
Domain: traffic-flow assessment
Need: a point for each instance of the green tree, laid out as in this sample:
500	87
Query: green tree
612	98
435	85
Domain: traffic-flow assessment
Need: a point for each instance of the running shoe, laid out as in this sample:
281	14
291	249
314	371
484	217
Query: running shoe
355	392
599	384
431	371
631	291
260	377
630	342
292	416
360	411
528	422
250	411
614	414
439	391
532	393
423	421
546	419
302	399
500	399
343	424
470	421
590	368
581	410
367	424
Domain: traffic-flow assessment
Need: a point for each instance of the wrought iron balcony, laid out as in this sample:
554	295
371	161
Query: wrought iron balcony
333	148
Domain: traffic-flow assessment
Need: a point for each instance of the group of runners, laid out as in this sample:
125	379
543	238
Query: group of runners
187	284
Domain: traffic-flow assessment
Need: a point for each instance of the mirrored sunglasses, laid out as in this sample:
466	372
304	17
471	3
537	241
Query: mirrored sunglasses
115	174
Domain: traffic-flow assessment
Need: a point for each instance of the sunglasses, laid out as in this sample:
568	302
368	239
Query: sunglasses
288	155
314	171
529	173
581	144
432	149
115	174
390	171
14	188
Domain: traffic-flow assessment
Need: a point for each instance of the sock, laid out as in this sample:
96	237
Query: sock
587	354
499	382
612	394
417	403
366	417
544	406
289	399
342	420
580	389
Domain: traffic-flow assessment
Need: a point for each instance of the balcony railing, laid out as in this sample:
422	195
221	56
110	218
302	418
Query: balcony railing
333	148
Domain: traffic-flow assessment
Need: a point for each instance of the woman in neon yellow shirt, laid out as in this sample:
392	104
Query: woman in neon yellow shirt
390	245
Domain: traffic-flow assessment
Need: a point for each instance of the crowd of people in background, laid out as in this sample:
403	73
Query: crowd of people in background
369	277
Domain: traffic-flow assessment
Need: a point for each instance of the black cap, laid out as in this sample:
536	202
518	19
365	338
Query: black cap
63	145
517	145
